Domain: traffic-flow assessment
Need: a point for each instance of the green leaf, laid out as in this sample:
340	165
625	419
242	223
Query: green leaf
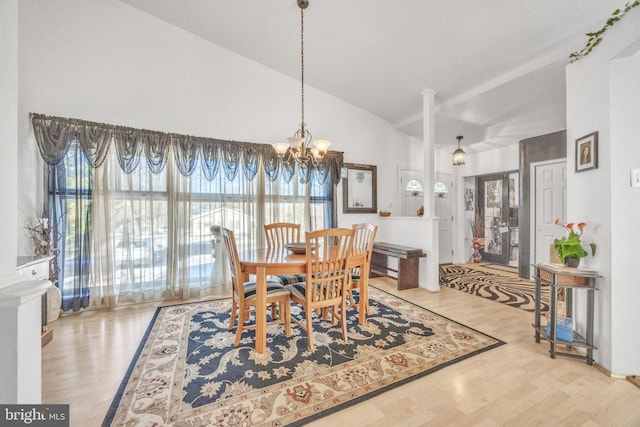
595	38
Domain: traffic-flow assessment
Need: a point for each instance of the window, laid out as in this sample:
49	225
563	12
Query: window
145	236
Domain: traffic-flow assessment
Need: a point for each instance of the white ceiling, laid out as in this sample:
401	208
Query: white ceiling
497	66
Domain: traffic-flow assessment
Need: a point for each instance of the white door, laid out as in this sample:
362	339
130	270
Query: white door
550	203
443	212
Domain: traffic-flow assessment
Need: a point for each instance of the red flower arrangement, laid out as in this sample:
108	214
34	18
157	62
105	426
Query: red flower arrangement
570	246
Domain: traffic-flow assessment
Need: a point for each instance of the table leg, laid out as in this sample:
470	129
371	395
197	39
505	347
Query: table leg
536	317
363	305
553	316
261	310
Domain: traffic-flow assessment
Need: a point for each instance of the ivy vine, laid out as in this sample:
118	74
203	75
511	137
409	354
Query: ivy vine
596	38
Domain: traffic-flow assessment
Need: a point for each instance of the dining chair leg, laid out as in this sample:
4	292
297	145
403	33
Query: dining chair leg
241	320
334	318
287	318
363	304
232	319
343	320
309	330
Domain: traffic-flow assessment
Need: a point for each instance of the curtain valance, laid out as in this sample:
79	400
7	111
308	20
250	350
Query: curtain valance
54	135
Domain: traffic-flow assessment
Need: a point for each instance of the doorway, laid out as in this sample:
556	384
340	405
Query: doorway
498	203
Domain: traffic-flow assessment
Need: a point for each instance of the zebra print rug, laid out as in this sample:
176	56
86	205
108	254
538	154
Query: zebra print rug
503	287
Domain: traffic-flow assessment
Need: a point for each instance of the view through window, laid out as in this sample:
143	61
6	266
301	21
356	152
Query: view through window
144	236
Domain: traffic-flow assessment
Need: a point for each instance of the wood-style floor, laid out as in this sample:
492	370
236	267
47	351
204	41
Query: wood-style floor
516	384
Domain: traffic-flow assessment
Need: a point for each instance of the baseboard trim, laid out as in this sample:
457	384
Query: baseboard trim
633	379
46	338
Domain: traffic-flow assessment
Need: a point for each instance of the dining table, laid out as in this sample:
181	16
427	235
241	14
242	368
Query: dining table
281	261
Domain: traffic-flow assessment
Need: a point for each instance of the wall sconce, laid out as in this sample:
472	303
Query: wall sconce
414	188
440	189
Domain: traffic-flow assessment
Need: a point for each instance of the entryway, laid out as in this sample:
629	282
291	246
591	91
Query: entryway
498	203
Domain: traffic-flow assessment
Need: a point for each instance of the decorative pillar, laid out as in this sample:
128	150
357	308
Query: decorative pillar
429	144
20	352
431	233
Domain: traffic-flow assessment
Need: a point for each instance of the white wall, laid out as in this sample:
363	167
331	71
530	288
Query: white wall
8	134
108	62
603	94
625	129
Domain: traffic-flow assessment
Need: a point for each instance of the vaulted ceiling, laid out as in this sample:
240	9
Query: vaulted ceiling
497	66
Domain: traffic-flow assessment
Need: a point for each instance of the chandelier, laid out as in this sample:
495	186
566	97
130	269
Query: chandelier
298	146
458	155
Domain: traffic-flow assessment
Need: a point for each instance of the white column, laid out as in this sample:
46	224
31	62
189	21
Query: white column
429	144
432	276
20	352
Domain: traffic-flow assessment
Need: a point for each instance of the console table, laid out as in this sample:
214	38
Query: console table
383	263
557	277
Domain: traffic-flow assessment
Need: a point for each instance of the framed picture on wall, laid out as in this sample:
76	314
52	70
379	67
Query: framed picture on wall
587	152
359	189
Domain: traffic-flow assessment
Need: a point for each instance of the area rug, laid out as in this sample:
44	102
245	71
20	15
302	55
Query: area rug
502	287
187	372
500	267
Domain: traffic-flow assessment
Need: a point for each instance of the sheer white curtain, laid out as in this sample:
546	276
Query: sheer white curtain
287	202
152	235
130	240
199	207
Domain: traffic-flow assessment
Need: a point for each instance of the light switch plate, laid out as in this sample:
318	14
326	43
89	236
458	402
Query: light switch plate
635	177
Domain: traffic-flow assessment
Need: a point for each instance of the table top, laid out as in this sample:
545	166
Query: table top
271	256
280	257
566	271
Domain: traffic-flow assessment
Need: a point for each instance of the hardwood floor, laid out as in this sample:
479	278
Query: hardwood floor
516	384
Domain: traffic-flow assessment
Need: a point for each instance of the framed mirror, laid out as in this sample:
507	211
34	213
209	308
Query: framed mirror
359	189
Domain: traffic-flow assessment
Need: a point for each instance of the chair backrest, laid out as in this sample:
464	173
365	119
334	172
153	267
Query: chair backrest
280	233
234	261
327	253
364	236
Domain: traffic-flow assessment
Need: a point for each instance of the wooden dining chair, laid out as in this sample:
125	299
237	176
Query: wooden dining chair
326	274
279	234
363	238
244	294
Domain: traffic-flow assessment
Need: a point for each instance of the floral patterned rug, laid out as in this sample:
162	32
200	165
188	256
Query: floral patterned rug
187	372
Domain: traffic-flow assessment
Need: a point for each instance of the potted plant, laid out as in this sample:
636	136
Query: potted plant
569	248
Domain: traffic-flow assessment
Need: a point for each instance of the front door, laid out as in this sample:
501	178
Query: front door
498	200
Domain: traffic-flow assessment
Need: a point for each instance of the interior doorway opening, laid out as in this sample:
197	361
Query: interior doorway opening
497	208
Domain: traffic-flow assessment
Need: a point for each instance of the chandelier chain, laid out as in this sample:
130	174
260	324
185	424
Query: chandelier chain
298	147
302	67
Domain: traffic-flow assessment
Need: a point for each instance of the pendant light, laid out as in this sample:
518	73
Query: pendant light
458	155
298	146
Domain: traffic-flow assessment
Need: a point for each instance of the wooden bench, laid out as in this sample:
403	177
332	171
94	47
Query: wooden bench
408	262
